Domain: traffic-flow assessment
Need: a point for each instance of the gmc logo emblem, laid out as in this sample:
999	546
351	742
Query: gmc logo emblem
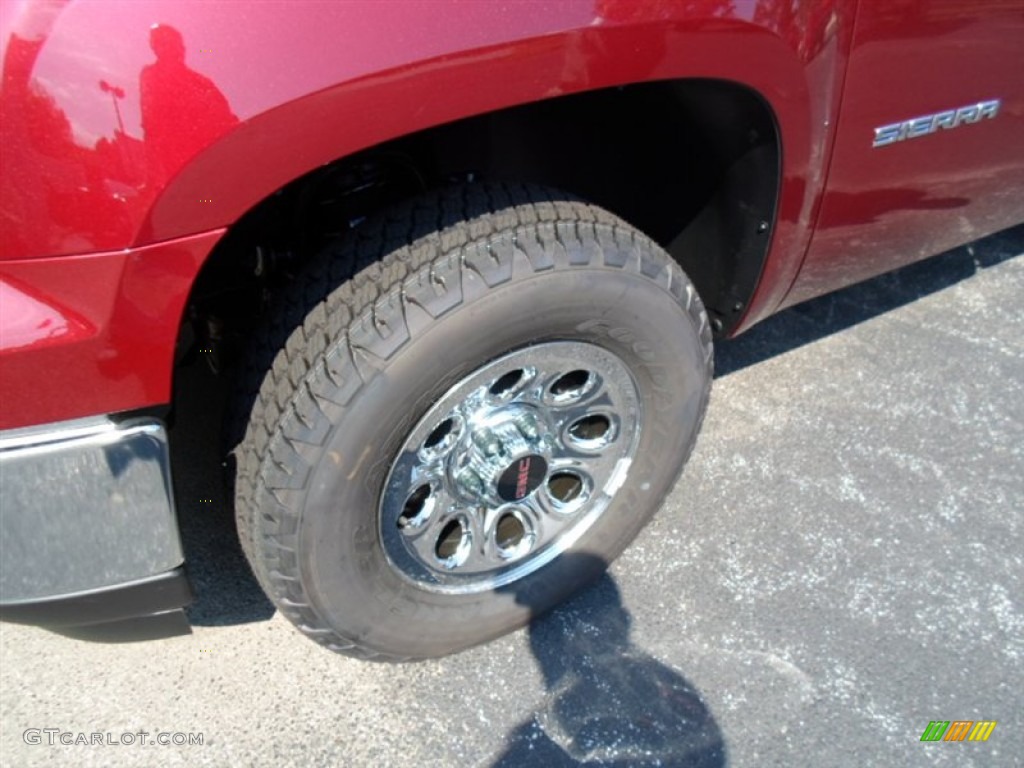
523	480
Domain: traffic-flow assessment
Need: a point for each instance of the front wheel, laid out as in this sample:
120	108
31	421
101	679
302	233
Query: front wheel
482	397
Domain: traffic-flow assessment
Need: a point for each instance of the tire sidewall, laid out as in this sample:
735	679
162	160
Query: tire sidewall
349	581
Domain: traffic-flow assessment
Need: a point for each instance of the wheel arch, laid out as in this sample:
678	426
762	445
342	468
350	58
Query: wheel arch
297	136
740	235
767	87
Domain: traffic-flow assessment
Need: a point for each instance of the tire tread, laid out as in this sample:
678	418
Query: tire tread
351	306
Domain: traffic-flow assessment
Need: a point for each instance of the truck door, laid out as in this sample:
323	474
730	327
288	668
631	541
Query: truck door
929	150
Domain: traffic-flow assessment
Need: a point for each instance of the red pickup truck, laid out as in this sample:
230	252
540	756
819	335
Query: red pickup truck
462	261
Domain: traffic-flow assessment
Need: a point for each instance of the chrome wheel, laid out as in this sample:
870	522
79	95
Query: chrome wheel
510	467
469	427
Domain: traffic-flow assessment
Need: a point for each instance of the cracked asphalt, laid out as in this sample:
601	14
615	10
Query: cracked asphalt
841	564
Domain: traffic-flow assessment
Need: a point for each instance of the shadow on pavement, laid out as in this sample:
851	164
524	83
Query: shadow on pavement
136	630
815	319
608	702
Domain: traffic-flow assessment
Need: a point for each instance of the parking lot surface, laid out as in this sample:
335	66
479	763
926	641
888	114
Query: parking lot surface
842	563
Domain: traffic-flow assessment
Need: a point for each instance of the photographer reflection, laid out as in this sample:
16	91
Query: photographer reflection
182	111
609	703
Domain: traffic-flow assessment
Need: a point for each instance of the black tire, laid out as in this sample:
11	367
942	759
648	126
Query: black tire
383	324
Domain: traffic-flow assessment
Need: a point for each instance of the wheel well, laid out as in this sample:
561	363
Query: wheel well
693	163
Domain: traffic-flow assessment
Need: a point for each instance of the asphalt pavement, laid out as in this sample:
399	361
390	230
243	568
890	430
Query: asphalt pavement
841	564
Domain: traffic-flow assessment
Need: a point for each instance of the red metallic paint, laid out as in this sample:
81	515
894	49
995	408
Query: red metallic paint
890	206
115	137
29	320
119	312
86	169
313	86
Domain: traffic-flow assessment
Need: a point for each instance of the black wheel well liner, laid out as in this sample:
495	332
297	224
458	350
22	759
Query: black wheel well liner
693	163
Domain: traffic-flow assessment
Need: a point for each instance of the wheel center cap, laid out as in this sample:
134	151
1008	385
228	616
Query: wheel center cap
522	477
503	459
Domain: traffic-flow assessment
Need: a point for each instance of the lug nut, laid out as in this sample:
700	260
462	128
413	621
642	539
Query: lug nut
528	426
487	442
469	483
